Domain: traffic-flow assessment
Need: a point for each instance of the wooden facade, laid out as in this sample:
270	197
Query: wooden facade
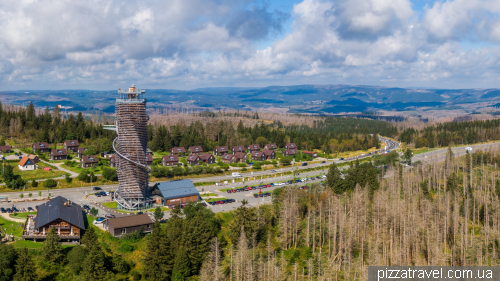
181	200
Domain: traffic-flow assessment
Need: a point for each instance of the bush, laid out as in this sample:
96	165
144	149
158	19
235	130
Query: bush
50	183
243	169
256	166
110	174
83	176
68	178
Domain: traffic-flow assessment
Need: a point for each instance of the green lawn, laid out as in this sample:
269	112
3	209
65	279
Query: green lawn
215	199
111	205
11	227
28	244
38	173
208	194
78	169
22	215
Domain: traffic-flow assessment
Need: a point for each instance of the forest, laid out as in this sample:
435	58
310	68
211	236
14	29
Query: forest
434	213
329	134
452	133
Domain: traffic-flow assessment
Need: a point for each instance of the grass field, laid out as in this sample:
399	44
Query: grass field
11	227
208	194
28	244
22	215
215	199
111	205
38	173
78	169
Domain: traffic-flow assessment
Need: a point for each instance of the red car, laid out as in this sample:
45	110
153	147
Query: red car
249	188
221	202
268	185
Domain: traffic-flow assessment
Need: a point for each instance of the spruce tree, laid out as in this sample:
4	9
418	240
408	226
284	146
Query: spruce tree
8	256
52	251
333	179
90	239
182	266
25	268
156	256
94	267
158	214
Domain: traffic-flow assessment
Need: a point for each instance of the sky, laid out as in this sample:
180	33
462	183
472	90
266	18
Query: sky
189	44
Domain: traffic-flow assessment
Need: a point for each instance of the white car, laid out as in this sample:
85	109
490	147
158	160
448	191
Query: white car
468	148
236	175
324	176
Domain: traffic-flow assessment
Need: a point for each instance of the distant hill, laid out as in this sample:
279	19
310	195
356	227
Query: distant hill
320	99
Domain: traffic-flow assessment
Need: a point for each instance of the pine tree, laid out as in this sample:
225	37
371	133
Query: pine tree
93	267
25	268
8	256
158	214
52	250
90	239
182	266
333	179
156	255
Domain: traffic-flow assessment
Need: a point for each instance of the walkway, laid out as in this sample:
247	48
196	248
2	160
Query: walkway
6	216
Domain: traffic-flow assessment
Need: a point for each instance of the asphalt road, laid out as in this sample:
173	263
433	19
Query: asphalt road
77	194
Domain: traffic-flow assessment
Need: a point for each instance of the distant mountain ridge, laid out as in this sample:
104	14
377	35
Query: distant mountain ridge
322	99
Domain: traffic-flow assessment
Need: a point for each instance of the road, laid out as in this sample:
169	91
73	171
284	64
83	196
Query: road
77	194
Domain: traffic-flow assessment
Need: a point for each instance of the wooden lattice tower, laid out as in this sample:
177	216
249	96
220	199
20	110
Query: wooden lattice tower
130	147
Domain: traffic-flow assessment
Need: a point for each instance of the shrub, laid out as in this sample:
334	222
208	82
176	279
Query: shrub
50	183
68	178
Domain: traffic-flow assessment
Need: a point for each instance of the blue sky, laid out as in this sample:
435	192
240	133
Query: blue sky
187	44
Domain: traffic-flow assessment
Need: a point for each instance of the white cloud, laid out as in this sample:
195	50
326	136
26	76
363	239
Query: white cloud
196	43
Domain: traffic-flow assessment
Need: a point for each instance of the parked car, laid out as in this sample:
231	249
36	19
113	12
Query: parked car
236	175
250	188
256	195
304	164
30	209
323	162
109	216
98	195
341	159
97	188
273	171
229	190
2	210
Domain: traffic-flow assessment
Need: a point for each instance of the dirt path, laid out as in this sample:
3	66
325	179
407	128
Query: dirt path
6	216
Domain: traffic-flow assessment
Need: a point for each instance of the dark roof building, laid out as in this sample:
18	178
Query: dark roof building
178	151
71	145
311	153
149	159
239	157
43	147
253	147
89	161
80	151
193	159
58	154
258	156
269	154
227	158
290	146
113	161
207	158
129	224
176	192
289	152
59	213
170	160
238	149
5	148
198	150
220	150
271	146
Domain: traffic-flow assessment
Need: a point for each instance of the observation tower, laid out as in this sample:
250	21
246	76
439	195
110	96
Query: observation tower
130	147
